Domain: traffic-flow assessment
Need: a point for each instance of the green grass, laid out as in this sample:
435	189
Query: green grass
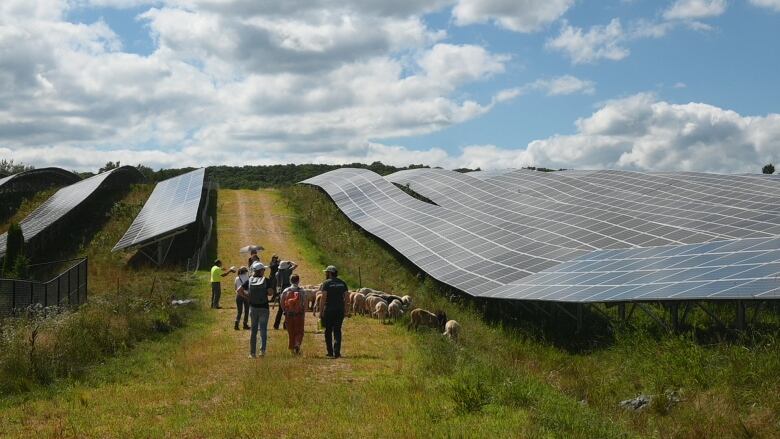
125	306
26	207
727	389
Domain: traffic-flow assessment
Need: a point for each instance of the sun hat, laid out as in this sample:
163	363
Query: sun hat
257	266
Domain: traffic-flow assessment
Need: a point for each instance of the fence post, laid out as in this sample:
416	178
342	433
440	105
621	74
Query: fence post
13	296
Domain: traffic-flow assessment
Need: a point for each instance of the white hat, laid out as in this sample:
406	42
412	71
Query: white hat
285	265
257	266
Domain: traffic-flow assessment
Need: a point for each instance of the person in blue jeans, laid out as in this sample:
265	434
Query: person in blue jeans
259	311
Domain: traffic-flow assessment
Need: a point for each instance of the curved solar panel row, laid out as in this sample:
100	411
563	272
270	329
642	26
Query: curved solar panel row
172	207
732	191
451	246
38	177
737	269
592	227
64	201
728	220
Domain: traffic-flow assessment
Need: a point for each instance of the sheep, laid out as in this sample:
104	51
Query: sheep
407	301
452	330
317	304
380	311
311	295
421	317
395	310
358	304
371	302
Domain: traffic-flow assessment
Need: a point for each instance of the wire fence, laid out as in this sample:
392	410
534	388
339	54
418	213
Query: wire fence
69	288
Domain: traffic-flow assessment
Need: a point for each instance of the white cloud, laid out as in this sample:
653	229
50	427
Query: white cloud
516	15
770	4
599	42
640	132
303	84
695	9
564	85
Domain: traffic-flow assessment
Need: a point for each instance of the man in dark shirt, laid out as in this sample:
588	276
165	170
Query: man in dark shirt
334	302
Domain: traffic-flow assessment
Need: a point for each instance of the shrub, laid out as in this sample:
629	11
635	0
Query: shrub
14	249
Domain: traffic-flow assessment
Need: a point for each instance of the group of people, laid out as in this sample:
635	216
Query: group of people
255	292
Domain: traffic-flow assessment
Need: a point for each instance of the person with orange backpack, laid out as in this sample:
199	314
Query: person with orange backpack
293	303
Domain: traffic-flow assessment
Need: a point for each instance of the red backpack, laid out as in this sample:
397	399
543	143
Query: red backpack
293	301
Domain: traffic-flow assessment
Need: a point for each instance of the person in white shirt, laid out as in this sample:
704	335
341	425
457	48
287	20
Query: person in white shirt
242	305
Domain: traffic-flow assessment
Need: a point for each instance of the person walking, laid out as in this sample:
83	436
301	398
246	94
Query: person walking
242	304
293	302
334	303
283	281
258	309
217	273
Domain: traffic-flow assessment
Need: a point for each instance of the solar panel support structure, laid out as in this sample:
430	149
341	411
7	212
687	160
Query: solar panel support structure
161	249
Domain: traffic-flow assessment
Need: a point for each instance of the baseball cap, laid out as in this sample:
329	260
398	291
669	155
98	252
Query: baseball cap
331	269
257	266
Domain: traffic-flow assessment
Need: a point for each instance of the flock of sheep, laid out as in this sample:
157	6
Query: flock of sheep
387	307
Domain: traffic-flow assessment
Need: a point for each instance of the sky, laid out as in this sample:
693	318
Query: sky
688	85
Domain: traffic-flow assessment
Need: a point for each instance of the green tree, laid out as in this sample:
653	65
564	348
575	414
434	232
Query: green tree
14	249
109	166
768	169
8	167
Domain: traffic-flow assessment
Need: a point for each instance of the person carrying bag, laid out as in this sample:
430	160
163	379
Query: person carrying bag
293	303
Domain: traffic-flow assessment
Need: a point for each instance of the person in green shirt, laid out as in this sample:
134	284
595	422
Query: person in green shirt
217	273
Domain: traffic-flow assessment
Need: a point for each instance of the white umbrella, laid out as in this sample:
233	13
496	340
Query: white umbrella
251	248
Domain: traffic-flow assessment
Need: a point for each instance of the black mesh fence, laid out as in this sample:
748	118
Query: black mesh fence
69	288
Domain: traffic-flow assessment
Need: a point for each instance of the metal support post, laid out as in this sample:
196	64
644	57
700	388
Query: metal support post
741	315
675	316
622	311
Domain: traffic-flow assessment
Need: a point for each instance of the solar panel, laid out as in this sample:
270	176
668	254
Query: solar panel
40	177
735	269
456	248
172	207
556	246
62	202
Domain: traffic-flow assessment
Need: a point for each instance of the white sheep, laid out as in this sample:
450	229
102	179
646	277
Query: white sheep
452	330
407	301
358	304
395	310
380	311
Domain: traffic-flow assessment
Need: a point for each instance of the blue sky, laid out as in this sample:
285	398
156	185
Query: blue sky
644	85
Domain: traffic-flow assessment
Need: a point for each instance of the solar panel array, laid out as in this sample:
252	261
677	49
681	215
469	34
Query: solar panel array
532	226
172	207
61	203
39	177
737	269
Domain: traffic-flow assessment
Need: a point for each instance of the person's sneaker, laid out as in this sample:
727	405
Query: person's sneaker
236	326
252	356
246	327
337	356
329	356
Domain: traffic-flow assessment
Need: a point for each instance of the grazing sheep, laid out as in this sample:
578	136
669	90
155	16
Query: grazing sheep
380	311
358	304
407	301
371	302
395	310
311	295
421	317
452	330
317	304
